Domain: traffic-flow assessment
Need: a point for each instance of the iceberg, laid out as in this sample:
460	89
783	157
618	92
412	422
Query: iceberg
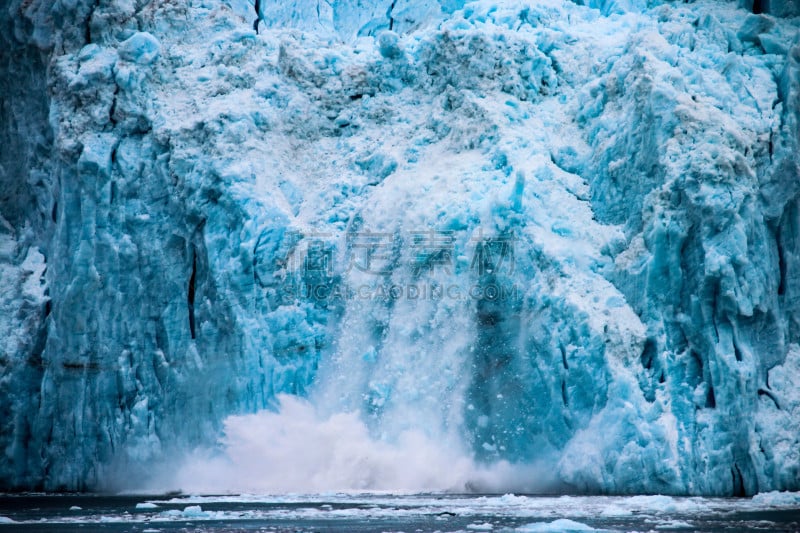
522	234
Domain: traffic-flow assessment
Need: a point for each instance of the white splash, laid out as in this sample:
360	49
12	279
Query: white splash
297	450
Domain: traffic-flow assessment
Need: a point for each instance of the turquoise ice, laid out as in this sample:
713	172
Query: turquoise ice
184	206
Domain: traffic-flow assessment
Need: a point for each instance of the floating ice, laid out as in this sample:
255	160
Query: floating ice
562	524
146	505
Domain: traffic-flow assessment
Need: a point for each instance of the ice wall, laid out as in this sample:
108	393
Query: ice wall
117	368
349	19
168	175
25	192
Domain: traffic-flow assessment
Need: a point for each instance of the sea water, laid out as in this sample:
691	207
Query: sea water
366	512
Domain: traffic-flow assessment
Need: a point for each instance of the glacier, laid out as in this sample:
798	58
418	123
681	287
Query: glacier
587	215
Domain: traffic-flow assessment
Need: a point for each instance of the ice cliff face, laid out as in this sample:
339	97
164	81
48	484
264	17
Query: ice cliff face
183	203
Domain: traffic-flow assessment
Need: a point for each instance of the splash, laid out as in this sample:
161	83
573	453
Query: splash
298	450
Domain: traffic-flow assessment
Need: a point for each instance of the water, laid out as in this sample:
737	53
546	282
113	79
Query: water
395	512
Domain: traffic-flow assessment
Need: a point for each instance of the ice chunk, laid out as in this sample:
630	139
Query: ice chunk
146	505
777	499
194	511
562	524
142	48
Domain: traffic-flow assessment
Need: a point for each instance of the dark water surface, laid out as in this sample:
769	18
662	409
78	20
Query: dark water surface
396	512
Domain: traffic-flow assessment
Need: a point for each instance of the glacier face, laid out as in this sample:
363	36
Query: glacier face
624	173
